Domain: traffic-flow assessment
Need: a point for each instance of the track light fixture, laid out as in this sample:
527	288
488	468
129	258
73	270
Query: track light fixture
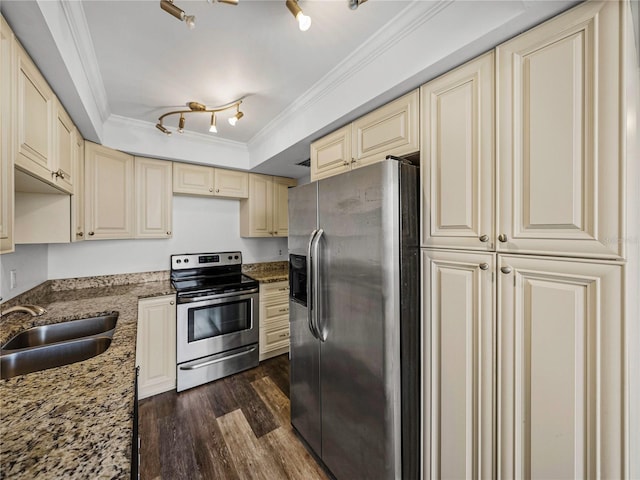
195	107
169	7
354	4
304	22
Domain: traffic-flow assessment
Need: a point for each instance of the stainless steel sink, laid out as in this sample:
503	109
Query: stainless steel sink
60	332
28	360
49	346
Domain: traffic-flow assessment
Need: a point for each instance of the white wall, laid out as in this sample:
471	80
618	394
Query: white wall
30	264
199	225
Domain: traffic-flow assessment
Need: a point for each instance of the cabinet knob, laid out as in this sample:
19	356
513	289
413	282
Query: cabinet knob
91	234
484	266
58	174
283	310
353	160
169	233
80	234
505	269
275	233
346	162
283	289
172	302
217	190
211	189
484	238
502	237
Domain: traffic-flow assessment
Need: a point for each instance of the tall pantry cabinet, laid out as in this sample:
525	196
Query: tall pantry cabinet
530	258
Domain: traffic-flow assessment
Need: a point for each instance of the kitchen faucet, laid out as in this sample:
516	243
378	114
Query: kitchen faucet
34	310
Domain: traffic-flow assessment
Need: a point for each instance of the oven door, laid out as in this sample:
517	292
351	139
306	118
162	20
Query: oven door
215	325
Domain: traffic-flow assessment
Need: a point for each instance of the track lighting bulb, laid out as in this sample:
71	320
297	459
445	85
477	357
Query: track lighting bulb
354	4
213	128
169	7
233	120
190	20
181	124
160	127
304	21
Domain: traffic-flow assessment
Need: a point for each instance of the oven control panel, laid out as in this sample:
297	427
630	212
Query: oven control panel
204	260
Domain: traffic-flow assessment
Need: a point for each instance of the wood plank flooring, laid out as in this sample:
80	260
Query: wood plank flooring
235	428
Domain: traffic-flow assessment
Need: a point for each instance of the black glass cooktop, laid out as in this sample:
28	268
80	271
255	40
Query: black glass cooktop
212	284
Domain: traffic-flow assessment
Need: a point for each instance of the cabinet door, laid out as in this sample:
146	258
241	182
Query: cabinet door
458	159
392	129
63	173
77	199
154	198
231	183
561	369
331	155
7	133
281	205
559	124
156	345
256	212
458	376
109	202
274	319
193	179
35	119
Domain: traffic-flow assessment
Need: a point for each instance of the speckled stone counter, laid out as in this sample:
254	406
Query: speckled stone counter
74	421
267	272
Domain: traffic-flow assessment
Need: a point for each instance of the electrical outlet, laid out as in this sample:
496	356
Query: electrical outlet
13	279
280	252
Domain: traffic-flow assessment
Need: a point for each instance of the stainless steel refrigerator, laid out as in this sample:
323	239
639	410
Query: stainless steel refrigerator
355	327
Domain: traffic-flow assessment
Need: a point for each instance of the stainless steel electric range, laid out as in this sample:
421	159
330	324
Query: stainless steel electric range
217	317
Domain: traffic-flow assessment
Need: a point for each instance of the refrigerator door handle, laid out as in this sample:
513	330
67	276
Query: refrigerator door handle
310	286
315	258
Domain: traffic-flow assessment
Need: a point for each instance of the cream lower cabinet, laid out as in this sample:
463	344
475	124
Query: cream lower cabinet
458	376
274	319
156	345
560	369
266	212
392	129
7	132
458	157
154	198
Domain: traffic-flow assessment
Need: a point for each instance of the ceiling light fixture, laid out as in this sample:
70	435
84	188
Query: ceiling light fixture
195	107
354	4
169	7
304	22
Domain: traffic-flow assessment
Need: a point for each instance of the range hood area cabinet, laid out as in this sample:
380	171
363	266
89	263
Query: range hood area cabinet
529	259
266	212
126	196
393	129
189	179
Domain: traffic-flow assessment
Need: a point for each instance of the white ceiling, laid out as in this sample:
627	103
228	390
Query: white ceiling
118	65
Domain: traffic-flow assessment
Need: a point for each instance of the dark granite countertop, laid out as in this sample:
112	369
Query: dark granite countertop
74	421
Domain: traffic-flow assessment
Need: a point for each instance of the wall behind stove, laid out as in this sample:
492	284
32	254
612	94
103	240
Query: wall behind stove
199	225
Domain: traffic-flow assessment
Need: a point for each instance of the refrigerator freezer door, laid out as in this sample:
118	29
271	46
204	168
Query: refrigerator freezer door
360	320
304	347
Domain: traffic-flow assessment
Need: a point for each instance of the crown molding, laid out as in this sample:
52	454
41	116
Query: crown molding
79	30
411	18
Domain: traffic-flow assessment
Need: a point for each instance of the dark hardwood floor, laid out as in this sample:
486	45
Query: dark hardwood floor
235	428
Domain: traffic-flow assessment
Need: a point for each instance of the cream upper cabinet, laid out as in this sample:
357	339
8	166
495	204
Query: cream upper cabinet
231	183
193	179
559	129
560	369
77	199
7	134
458	379
156	345
45	133
331	155
154	198
392	129
265	212
109	193
458	157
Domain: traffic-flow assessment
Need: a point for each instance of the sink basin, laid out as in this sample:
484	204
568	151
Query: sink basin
41	357
60	332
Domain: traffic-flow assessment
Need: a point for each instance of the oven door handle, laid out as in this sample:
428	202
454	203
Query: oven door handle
315	260
310	286
217	360
241	294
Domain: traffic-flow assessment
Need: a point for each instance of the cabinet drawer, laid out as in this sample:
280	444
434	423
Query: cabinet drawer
277	336
276	310
274	291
